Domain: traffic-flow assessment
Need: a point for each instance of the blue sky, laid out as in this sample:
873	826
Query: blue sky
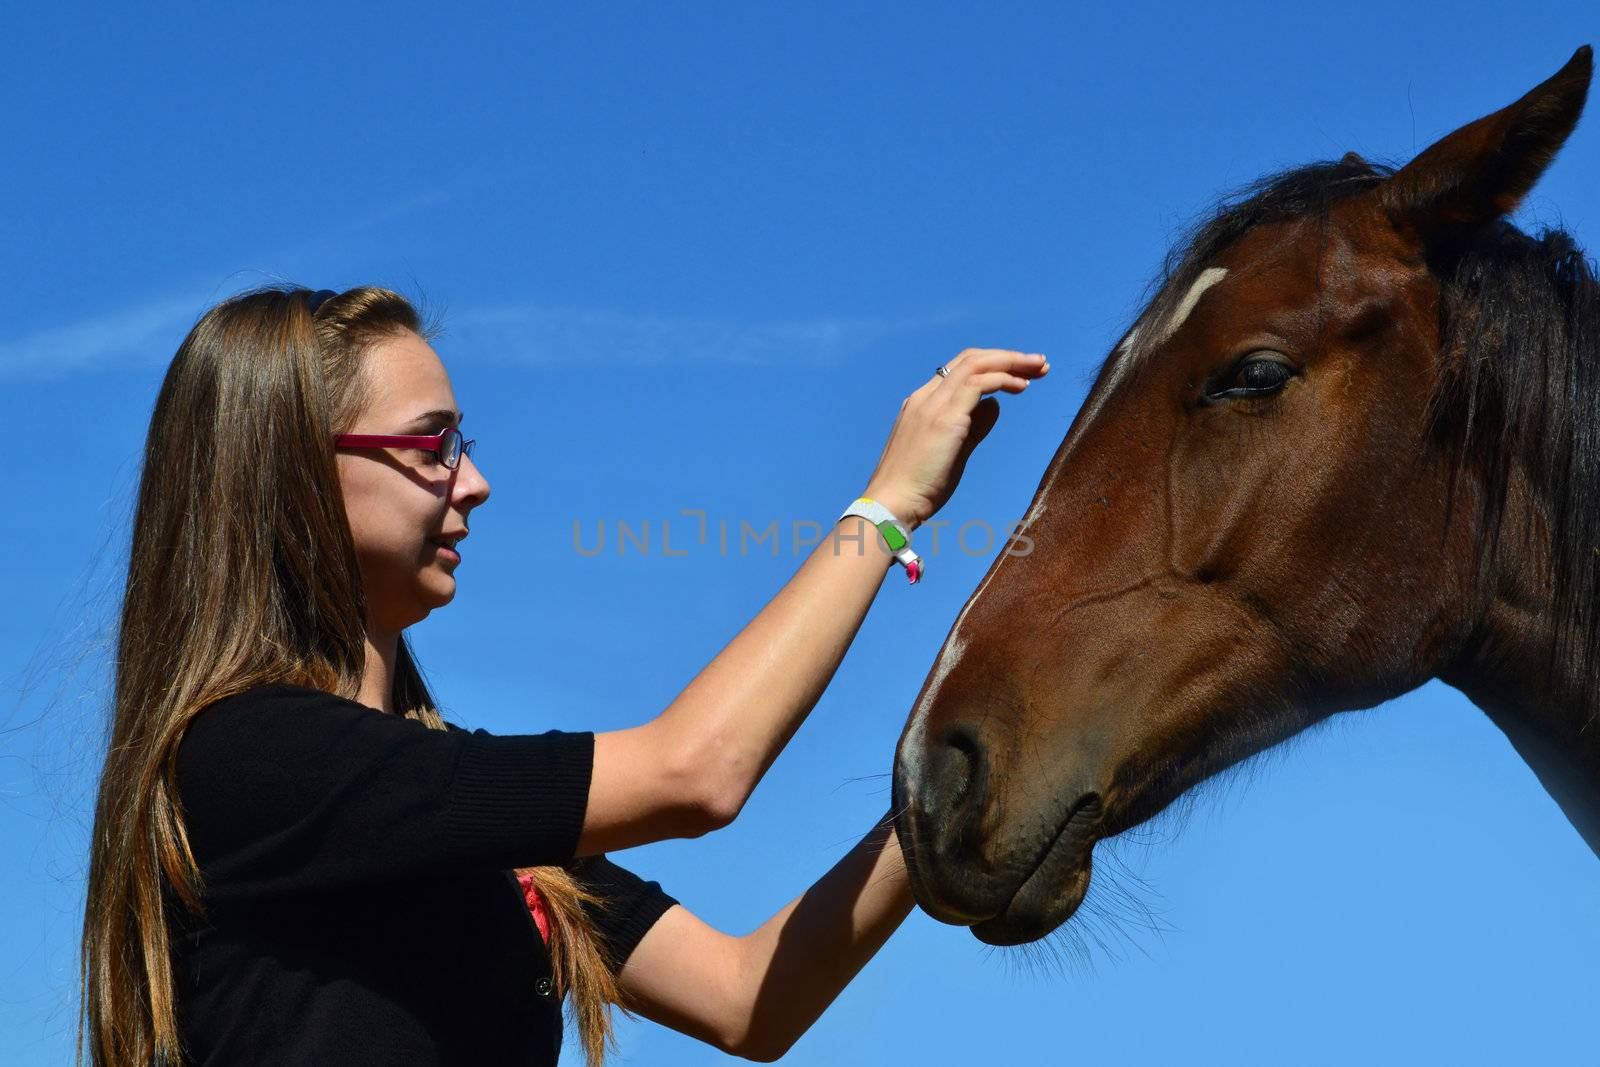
693	256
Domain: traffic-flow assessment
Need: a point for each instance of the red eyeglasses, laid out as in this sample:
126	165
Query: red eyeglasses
447	445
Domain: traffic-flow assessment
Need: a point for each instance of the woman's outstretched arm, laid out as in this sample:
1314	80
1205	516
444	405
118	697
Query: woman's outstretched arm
691	768
753	996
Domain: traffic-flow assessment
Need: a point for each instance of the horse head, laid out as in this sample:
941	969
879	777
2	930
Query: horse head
1291	491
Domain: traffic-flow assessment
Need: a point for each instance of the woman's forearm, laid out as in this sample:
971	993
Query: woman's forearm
692	768
797	962
753	996
739	712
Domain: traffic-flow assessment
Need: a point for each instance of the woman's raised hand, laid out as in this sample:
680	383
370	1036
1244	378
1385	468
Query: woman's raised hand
940	424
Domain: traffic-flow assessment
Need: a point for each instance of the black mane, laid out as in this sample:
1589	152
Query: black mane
1521	385
1522	335
1302	192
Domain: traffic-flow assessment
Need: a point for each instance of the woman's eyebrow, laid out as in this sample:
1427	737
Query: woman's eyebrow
445	415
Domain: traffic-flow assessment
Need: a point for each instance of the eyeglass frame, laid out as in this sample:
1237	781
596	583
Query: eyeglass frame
431	443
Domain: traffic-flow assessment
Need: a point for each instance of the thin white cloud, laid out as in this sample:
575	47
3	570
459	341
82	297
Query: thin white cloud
539	334
130	336
524	334
149	333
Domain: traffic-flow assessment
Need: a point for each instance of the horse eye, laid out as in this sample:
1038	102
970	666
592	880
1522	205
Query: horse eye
1256	376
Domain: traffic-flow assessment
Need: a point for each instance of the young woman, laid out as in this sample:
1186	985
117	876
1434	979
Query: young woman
295	860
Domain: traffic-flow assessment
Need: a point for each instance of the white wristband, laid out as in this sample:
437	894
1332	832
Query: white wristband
893	532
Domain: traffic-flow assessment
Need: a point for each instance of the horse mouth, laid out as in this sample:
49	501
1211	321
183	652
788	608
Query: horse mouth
1055	887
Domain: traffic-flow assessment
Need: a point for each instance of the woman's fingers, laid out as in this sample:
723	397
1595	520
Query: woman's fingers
975	372
939	425
981	365
989	358
977	385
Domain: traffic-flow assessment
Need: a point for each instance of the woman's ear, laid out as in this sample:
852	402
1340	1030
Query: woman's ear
1484	169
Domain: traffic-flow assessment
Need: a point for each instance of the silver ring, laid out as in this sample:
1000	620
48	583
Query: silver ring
943	371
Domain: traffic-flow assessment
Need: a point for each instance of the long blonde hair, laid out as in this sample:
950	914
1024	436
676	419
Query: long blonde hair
242	572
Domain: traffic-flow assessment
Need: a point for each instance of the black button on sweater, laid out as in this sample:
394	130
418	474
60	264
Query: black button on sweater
357	870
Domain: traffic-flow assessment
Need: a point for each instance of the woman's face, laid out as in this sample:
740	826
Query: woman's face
402	501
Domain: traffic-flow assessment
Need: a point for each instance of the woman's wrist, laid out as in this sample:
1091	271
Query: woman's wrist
858	531
901	509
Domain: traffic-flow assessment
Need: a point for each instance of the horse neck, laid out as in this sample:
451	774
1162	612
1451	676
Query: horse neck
1550	716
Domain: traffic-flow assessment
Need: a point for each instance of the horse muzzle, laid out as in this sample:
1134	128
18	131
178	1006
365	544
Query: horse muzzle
1011	867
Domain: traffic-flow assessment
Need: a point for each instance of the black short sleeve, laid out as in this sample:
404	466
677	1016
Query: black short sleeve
629	905
287	789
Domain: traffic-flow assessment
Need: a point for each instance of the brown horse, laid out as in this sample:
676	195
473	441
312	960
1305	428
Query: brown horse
1352	444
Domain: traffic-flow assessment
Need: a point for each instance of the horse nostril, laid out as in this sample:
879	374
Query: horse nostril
966	755
959	778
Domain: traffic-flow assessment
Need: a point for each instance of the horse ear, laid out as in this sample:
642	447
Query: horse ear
1484	169
1352	159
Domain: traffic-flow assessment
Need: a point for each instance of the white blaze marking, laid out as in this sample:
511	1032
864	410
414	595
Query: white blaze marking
919	716
1123	362
941	670
1126	356
1208	277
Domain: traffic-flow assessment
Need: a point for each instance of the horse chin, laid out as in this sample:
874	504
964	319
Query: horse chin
1051	893
1042	903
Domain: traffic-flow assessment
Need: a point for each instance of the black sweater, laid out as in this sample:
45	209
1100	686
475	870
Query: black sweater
357	872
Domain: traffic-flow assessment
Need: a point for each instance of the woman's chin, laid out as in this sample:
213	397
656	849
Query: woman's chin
436	589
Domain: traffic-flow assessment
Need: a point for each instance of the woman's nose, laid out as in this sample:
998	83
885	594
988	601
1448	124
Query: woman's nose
471	485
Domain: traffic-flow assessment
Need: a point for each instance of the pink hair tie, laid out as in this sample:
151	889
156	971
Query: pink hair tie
541	918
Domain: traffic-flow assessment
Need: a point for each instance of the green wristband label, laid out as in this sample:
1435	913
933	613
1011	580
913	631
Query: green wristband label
892	534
